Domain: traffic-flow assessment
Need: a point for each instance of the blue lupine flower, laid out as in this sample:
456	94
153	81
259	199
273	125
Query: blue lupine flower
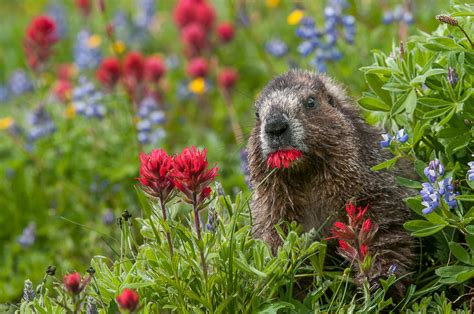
470	172
305	48
434	169
40	124
408	18
387	139
452	76
446	188
19	83
86	56
58	13
87	99
108	218
430	198
401	136
387	17
4	94
392	269
150	130
28	236
400	15
276	47
348	21
145	13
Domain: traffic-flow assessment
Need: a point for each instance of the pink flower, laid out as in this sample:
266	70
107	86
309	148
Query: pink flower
128	300
154	69
355	214
194	11
192	174
226	32
62	90
283	158
363	251
195	36
40	37
109	72
133	74
197	67
155	174
227	78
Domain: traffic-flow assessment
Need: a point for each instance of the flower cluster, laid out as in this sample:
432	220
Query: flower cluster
135	30
128	300
387	139
188	171
453	77
283	158
40	124
356	236
398	15
437	189
19	83
39	40
86	100
276	47
151	120
28	236
196	19
87	53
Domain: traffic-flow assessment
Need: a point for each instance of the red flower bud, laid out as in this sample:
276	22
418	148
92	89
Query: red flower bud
195	36
184	13
154	69
366	226
346	250
84	6
205	15
134	66
227	78
225	31
197	67
108	73
102	6
363	251
283	158
128	300
72	282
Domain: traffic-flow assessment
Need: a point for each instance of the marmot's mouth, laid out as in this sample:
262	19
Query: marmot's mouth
283	158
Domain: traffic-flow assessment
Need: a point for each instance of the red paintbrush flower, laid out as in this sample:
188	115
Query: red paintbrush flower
347	250
84	6
62	90
73	283
108	73
195	36
155	174
355	214
40	37
194	11
364	249
205	14
227	78
192	176
133	74
341	231
154	69
283	158
197	67
226	32
128	300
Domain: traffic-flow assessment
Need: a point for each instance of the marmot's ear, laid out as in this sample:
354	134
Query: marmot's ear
331	100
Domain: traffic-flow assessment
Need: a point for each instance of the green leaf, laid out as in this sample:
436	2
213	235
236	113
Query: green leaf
460	253
375	83
452	271
422	228
408	183
432	72
463	276
436	113
465	197
410	102
373	104
385	164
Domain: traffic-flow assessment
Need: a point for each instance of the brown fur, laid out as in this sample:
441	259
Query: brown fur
341	149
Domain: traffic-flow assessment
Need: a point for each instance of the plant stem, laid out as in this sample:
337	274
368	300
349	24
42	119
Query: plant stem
233	117
467	36
168	235
197	224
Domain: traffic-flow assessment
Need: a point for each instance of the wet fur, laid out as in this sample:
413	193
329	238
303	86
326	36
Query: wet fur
339	148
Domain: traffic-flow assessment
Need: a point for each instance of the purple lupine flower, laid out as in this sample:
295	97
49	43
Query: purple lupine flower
452	76
58	13
392	269
401	136
430	198
4	94
470	172
145	13
446	188
150	130
276	47
408	18
305	48
19	83
40	124
387	139
87	99
108	218
387	17
434	169
28	236
85	55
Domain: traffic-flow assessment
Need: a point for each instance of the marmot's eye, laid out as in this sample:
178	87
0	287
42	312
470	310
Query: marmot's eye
310	102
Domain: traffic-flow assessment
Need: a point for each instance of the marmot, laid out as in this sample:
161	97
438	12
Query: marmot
310	113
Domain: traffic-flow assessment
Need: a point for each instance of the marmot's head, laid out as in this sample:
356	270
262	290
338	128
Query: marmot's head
300	111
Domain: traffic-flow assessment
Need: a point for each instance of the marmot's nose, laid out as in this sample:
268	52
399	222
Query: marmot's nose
276	126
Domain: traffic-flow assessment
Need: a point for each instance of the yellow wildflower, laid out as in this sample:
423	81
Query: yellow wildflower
70	111
6	123
94	41
273	3
197	86
295	17
118	47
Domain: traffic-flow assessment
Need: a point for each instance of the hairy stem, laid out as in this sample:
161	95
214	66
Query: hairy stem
197	224
168	235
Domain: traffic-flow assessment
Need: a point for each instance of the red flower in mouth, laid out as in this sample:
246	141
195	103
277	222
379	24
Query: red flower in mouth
283	158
